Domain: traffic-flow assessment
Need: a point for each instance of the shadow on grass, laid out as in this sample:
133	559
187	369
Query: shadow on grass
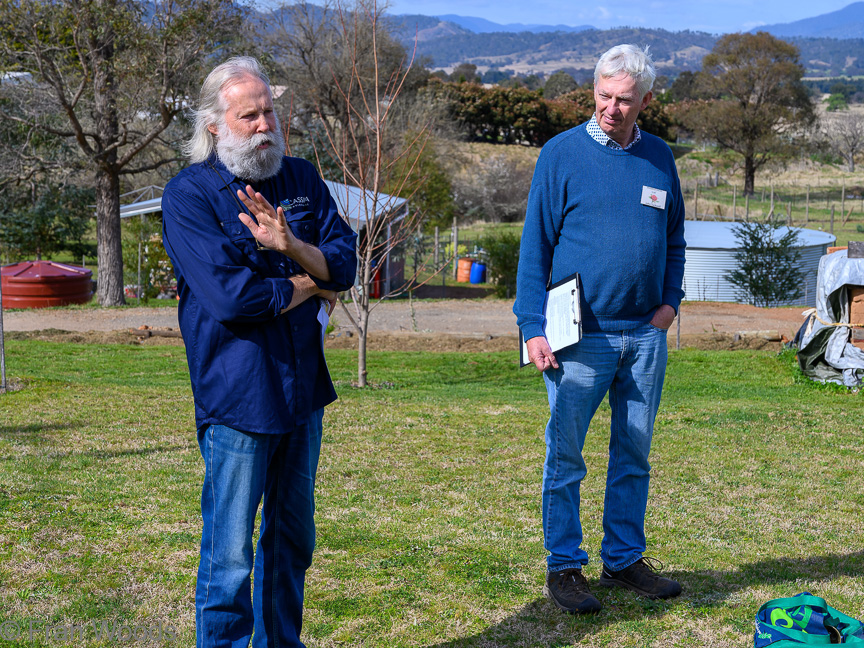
712	587
540	623
37	431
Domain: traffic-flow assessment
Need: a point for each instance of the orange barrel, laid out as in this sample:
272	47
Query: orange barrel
463	270
38	284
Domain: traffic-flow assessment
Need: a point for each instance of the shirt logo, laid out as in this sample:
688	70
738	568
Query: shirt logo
653	197
293	203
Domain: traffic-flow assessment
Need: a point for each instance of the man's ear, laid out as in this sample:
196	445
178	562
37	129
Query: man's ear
214	130
646	99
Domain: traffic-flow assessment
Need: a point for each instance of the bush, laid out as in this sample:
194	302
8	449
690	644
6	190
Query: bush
502	253
768	271
157	273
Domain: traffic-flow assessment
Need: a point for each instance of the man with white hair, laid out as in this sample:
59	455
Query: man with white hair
605	202
255	285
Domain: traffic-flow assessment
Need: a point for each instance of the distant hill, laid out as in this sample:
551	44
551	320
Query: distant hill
483	26
844	23
447	44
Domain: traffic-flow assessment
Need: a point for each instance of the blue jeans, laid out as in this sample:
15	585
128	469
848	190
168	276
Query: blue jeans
630	366
240	468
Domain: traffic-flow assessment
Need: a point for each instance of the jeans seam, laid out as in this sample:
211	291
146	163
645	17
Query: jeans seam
211	433
276	554
557	454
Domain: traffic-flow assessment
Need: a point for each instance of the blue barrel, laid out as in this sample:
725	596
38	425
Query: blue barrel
478	273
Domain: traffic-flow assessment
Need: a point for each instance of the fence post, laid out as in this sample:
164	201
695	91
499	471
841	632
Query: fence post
789	214
747	208
843	198
455	248
807	207
832	219
2	347
696	202
437	248
734	199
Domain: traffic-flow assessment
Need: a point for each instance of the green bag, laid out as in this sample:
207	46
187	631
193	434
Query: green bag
804	620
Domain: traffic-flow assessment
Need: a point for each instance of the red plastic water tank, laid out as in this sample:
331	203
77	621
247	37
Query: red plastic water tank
38	284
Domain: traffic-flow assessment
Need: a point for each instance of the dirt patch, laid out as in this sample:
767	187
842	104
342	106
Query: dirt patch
463	325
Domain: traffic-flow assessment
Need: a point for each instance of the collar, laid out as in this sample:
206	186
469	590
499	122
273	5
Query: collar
600	136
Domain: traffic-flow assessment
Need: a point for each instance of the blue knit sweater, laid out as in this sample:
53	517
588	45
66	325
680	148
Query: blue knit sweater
585	214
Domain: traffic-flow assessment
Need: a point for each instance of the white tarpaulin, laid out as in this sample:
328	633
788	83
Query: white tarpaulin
824	349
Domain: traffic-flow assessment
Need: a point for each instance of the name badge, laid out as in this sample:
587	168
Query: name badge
653	197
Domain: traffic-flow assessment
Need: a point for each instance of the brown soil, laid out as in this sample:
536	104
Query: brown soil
476	325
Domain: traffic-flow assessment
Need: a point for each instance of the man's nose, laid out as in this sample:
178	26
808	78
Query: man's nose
263	125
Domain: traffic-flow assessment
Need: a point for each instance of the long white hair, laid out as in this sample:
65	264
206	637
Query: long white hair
211	109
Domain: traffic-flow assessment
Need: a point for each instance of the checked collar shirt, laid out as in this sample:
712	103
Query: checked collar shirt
252	368
601	137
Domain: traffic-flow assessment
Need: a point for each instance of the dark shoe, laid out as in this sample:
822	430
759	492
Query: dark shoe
642	578
568	589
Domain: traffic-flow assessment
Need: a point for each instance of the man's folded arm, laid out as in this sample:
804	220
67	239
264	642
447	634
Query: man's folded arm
214	267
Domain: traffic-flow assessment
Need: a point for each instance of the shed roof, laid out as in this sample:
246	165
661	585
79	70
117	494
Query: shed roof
350	200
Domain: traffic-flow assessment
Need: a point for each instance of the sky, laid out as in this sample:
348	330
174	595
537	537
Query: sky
712	16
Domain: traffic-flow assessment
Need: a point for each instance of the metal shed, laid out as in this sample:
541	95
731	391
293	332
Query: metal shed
711	248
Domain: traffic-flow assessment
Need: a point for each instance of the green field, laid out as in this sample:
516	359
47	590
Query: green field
428	501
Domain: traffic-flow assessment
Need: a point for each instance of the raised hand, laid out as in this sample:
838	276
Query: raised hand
271	230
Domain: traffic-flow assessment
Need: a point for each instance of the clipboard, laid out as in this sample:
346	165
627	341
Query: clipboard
563	312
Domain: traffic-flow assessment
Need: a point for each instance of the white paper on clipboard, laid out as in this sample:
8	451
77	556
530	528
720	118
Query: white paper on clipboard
563	315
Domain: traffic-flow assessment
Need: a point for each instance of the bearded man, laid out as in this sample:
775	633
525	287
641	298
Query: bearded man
254	285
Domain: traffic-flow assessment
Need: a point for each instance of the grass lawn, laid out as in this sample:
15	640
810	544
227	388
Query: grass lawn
428	502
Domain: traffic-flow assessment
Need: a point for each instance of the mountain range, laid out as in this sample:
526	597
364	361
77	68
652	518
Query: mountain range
831	44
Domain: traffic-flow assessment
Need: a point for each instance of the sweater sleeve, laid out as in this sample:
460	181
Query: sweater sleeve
675	249
539	237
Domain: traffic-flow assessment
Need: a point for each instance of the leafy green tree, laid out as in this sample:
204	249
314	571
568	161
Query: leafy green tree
111	77
558	84
57	220
761	107
465	73
835	102
768	271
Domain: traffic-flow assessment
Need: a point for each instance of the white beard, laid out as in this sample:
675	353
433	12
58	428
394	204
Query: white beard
242	157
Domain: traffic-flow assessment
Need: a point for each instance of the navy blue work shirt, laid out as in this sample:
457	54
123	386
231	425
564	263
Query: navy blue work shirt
252	368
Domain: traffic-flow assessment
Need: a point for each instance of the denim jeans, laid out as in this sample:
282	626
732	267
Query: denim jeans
240	468
630	366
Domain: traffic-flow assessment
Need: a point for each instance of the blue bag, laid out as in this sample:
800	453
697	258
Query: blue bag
804	620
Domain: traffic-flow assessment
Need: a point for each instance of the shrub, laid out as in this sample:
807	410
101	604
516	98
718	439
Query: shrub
768	272
502	253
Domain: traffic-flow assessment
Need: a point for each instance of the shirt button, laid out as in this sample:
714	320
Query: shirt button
295	327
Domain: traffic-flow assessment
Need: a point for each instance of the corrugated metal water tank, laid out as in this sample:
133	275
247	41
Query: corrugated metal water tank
711	248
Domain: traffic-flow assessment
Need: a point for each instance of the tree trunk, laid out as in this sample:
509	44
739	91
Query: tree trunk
109	281
109	289
362	343
749	175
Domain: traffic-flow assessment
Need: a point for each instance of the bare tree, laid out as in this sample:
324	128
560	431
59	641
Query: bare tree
361	130
110	77
843	132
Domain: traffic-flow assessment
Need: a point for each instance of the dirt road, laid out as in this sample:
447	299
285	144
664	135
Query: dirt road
458	324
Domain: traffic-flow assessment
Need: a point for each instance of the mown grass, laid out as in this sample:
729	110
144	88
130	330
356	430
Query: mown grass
428	501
